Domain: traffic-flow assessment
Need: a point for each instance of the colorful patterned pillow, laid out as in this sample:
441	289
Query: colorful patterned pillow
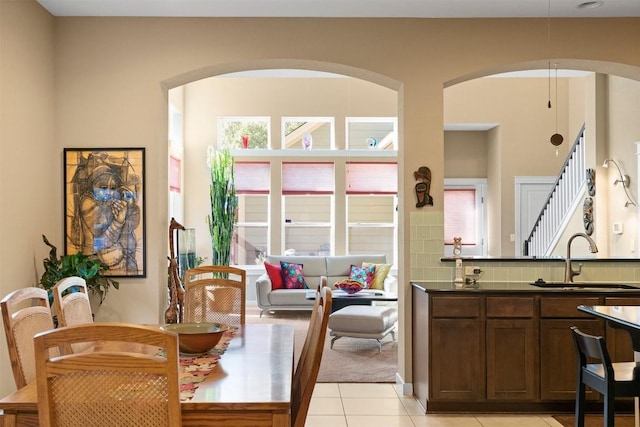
274	271
381	272
293	276
362	275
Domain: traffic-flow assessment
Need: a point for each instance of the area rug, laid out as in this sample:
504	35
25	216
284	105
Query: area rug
351	360
595	420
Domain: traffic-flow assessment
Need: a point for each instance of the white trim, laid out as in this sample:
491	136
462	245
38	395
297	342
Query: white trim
405	389
283	154
634	245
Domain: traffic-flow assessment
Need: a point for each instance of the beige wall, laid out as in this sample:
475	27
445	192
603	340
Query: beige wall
465	154
30	160
110	81
623	136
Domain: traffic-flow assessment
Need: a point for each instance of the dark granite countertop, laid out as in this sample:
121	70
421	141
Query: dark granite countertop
490	287
558	259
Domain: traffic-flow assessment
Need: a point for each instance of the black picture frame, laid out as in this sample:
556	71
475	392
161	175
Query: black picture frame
104	203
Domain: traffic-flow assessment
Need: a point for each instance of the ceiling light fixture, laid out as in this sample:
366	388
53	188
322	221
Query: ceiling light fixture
556	139
624	180
590	5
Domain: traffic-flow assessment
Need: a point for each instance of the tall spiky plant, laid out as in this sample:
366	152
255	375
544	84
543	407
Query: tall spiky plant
224	204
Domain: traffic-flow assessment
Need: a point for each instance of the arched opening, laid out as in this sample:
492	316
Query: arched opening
351	108
497	127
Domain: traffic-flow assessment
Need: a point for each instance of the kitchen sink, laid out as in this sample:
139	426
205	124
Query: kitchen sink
577	285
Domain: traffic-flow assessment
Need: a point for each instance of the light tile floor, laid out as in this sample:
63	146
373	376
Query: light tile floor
379	405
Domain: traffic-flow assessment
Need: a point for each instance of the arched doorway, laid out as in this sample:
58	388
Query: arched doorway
338	98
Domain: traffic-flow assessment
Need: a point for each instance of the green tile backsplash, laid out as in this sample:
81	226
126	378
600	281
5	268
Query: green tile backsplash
426	243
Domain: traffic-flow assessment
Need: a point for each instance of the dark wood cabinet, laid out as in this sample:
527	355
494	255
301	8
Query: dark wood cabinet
457	349
557	350
619	340
504	351
558	357
457	359
511	348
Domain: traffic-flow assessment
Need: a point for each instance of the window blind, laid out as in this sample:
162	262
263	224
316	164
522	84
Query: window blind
460	216
307	178
371	178
252	177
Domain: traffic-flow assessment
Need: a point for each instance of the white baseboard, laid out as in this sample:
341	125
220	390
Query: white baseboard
406	389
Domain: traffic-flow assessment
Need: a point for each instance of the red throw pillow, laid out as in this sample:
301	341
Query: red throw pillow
274	271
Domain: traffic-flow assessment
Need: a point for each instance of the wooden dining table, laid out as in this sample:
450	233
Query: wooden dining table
625	317
250	385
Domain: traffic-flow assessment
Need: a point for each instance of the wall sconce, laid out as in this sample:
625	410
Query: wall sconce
624	180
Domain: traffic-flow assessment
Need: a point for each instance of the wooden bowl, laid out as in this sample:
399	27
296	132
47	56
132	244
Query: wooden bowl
197	337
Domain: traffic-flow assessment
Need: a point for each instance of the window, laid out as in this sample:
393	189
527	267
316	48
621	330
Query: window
464	214
371	133
371	215
252	232
307	198
305	133
231	131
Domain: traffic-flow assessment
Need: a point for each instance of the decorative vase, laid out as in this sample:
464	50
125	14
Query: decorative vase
307	141
245	141
186	250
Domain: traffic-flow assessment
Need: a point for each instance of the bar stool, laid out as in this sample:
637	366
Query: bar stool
609	379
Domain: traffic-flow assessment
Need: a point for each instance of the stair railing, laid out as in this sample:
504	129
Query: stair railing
565	194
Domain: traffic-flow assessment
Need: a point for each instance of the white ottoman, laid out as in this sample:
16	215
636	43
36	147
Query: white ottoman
363	321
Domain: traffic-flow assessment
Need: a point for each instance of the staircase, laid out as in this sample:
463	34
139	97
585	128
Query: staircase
564	198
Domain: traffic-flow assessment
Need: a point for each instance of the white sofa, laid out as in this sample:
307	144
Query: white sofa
334	268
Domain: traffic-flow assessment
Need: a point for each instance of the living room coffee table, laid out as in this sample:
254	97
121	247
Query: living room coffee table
341	299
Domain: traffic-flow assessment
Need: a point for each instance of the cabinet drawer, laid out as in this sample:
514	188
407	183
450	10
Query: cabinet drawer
622	301
456	307
510	307
565	307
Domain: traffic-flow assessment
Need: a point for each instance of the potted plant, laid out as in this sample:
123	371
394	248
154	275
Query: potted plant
90	268
224	205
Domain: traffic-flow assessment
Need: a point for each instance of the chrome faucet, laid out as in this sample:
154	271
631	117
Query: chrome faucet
569	272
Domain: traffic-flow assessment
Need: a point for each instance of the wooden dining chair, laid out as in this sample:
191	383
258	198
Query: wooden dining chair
306	371
312	320
134	383
72	307
25	312
71	302
612	380
215	293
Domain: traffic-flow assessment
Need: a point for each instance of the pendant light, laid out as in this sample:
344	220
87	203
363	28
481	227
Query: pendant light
556	139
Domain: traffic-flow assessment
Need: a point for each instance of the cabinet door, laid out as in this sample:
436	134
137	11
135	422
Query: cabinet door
457	355
618	340
558	359
511	359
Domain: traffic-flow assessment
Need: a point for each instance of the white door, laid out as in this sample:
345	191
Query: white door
531	194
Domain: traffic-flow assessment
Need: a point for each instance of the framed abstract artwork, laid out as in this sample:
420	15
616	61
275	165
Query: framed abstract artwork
104	202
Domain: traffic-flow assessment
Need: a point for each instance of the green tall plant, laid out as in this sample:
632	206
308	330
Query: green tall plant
224	205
